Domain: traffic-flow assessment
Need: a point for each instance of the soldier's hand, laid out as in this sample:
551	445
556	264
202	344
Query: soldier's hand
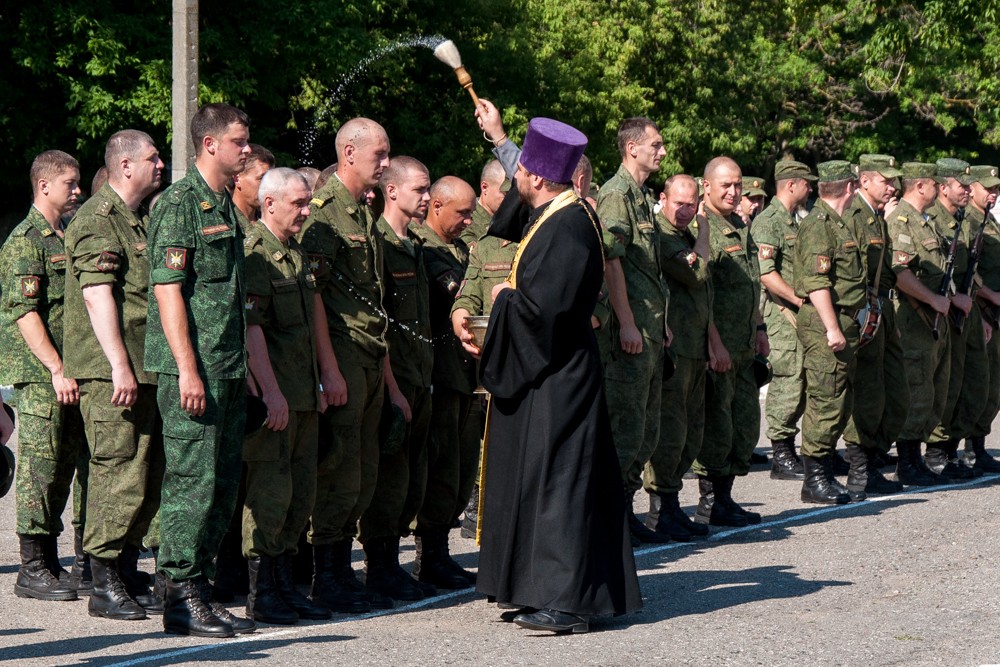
126	388
835	339
941	304
963	303
890	207
987	331
763	344
669	340
397	398
277	411
192	394
631	339
67	393
334	389
6	426
499	288
719	359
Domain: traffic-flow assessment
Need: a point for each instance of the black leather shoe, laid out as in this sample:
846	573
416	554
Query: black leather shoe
186	614
551	620
509	615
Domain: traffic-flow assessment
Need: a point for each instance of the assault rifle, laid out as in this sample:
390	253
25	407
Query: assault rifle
975	252
949	274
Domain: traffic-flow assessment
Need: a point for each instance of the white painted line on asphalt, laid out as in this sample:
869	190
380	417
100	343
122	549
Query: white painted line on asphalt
714	537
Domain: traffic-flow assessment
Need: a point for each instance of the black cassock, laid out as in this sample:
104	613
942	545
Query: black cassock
554	533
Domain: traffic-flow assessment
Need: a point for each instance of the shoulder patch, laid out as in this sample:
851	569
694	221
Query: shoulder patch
176	259
107	262
822	264
901	258
765	251
903	219
905	239
30	285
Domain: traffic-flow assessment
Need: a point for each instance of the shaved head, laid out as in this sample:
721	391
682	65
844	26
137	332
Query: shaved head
450	188
493	173
358	132
452	203
717	163
400	170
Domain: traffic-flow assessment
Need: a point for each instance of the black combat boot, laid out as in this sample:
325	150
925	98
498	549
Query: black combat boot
712	510
264	603
672	504
724	493
471	518
981	459
839	464
285	583
346	576
50	550
79	578
784	463
637	529
865	475
430	565
910	469
451	563
937	460
659	518
185	613
816	487
231	572
327	590
136	582
109	598
382	571
240	626
34	579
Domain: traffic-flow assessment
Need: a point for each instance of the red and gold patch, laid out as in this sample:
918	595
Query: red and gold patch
215	229
30	286
177	258
107	262
765	251
822	264
901	258
733	248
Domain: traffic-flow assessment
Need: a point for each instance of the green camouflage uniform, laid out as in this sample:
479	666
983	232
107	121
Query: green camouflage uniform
633	382
775	230
827	256
402	470
196	242
281	465
106	245
341	241
489	265
732	418
50	436
682	404
881	390
452	448
989	272
917	246
480	223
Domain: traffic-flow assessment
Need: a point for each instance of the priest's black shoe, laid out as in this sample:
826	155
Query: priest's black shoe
509	615
784	463
816	487
109	598
186	614
551	620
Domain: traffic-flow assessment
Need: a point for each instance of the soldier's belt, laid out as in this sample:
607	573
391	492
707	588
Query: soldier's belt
851	313
891	294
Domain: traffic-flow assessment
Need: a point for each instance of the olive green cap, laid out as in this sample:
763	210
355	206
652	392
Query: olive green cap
786	169
986	175
884	165
950	167
753	186
835	170
920	170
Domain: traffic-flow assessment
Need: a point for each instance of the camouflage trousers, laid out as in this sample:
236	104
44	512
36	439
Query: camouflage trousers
984	422
402	473
348	455
968	380
633	385
829	382
450	414
280	485
682	426
126	467
786	392
202	474
928	370
732	422
881	390
51	446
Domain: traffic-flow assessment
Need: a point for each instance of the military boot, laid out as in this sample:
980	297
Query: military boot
936	459
982	460
109	598
659	518
839	464
186	614
264	603
856	495
349	579
50	550
34	580
816	487
724	494
231	572
672	504
954	460
381	576
240	626
865	475
327	590
79	577
430	565
784	463
711	510
285	583
910	469
471	518
637	529
451	563
136	582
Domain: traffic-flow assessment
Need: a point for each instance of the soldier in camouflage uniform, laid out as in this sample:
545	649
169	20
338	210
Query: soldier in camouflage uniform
402	467
985	185
493	186
341	241
634	375
881	392
919	255
775	231
736	334
968	372
831	281
247	183
51	435
752	199
451	465
284	344
107	289
195	342
682	403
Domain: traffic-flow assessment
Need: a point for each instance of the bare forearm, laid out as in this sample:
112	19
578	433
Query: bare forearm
103	313
37	339
259	360
326	358
614	275
776	286
173	318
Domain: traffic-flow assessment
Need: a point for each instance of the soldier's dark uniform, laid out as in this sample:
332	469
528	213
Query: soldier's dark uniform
480	223
51	441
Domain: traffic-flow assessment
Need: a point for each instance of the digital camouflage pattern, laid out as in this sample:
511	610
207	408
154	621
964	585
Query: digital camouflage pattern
989	272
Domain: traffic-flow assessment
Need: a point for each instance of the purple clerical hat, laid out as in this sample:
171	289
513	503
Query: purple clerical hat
552	149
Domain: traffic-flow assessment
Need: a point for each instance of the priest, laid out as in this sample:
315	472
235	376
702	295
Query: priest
554	543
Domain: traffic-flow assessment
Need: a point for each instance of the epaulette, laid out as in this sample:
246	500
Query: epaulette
821	215
317	202
104	208
903	219
252	239
177	192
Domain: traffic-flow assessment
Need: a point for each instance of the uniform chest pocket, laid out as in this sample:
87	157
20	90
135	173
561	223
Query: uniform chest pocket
56	273
287	301
931	244
359	257
405	295
215	260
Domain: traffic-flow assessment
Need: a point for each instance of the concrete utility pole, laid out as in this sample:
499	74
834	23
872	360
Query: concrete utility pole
185	86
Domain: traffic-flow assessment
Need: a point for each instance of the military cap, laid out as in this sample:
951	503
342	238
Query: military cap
786	169
763	372
920	170
753	186
884	165
985	175
835	170
256	415
949	167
